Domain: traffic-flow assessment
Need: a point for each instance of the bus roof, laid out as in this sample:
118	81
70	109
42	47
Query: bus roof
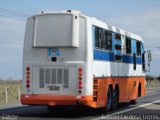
97	23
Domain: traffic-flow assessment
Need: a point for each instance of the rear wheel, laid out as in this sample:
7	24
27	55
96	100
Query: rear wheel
133	102
109	100
50	108
114	99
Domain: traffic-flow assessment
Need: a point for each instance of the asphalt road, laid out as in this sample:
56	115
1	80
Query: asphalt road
148	108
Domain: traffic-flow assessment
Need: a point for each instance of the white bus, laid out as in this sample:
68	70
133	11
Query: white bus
70	58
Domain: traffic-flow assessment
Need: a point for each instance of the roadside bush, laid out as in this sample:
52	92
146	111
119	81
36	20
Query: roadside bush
149	77
158	78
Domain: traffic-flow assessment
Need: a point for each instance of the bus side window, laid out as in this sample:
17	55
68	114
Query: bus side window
100	38
128	46
134	61
117	36
143	62
108	40
138	45
97	37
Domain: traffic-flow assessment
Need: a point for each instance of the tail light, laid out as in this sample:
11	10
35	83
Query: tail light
27	81
80	69
28	78
28	86
27	73
80	74
28	68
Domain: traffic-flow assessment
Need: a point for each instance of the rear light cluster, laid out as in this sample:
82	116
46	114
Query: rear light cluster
80	71
28	78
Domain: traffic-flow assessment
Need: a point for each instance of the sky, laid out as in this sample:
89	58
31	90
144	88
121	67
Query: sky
138	16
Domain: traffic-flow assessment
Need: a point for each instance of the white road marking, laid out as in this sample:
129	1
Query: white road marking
141	106
127	110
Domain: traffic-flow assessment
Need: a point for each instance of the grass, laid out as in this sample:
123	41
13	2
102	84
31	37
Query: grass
12	90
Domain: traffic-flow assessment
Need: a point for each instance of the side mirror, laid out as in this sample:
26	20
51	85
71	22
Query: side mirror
149	56
148	59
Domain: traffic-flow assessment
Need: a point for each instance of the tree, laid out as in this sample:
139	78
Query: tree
149	77
158	78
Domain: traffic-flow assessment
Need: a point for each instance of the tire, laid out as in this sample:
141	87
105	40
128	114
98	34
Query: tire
50	108
133	102
139	90
109	100
114	99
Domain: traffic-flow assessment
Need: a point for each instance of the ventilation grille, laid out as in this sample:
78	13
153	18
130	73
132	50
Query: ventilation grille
53	76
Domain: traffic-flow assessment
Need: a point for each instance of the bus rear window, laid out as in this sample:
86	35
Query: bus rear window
55	30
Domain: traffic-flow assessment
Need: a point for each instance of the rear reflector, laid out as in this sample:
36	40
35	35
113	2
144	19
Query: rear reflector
80	69
28	73
27	86
80	74
27	81
28	68
80	87
80	82
28	78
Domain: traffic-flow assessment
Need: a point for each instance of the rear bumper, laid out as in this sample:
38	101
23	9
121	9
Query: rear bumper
52	100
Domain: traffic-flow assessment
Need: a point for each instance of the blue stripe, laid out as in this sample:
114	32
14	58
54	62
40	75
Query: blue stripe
127	59
103	55
109	56
138	60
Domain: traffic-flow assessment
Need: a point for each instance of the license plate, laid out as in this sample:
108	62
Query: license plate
54	87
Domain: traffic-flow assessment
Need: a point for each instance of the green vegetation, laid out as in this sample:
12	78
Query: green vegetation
158	78
152	81
152	84
150	77
12	91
